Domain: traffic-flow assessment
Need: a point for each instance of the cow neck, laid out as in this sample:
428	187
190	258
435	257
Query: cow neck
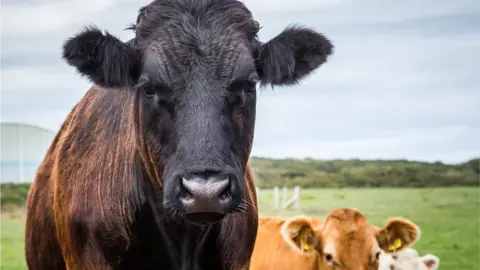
189	247
170	239
195	245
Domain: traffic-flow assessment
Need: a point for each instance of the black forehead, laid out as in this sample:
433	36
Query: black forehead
180	17
179	35
170	70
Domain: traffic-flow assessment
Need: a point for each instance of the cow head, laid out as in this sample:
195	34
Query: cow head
408	259
351	242
346	240
194	66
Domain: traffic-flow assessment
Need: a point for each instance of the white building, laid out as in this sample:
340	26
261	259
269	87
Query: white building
23	148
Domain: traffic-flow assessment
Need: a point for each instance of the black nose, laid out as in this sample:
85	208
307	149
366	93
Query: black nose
206	193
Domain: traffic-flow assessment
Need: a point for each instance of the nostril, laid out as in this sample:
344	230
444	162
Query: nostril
226	190
184	192
219	187
226	194
186	188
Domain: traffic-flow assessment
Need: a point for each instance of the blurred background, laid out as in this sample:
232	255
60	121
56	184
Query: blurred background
389	125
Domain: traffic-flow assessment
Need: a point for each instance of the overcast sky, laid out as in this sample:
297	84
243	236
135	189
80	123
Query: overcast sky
401	83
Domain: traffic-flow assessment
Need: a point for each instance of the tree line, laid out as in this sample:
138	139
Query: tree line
363	173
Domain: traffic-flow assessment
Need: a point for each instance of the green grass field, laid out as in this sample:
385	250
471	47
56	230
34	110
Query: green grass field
449	219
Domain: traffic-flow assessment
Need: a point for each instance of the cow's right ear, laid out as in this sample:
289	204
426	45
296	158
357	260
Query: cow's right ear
102	58
398	235
299	233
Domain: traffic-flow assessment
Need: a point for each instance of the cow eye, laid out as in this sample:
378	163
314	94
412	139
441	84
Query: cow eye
328	257
250	86
146	88
243	86
149	91
251	82
377	256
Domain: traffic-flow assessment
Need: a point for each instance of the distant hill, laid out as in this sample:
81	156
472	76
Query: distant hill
363	173
331	173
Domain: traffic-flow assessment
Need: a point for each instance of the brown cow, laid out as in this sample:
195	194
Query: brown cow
346	240
160	144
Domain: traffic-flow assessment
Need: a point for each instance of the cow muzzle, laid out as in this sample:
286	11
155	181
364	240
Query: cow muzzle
206	197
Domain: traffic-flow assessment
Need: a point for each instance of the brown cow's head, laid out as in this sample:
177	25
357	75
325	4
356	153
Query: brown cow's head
346	240
194	66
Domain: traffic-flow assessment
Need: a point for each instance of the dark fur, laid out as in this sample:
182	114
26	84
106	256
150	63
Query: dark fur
177	99
292	55
91	50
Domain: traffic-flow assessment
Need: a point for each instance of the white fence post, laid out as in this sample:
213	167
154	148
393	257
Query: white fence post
276	197
297	195
283	201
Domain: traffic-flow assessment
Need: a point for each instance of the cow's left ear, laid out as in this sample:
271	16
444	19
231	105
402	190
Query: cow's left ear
431	261
299	233
397	235
102	58
292	55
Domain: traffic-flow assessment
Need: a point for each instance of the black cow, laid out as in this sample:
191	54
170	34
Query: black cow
150	169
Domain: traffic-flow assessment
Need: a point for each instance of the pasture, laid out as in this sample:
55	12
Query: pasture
448	217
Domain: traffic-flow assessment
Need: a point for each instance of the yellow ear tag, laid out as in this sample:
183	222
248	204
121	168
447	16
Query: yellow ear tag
396	245
306	246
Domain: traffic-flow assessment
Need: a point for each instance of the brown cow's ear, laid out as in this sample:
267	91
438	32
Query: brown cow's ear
292	55
299	233
397	235
316	223
102	58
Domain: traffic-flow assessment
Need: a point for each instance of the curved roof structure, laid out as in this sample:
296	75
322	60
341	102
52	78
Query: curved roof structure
23	148
6	123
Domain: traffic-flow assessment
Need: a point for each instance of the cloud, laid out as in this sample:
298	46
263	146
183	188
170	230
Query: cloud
352	12
402	82
383	57
273	6
419	144
39	79
51	16
47	118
